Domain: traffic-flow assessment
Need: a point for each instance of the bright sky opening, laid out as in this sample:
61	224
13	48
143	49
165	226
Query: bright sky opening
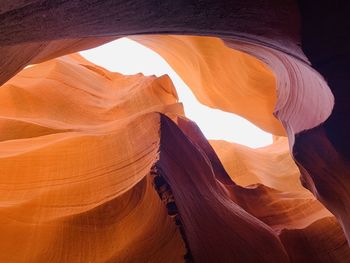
129	57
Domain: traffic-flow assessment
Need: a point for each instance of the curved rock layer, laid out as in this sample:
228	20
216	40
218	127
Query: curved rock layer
221	77
91	171
72	189
41	133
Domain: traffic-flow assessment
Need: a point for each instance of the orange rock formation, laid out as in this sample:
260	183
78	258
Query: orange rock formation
100	167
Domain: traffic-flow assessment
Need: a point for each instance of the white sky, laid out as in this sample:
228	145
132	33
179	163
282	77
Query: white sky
129	57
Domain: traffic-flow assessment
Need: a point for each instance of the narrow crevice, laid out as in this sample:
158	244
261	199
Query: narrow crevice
166	196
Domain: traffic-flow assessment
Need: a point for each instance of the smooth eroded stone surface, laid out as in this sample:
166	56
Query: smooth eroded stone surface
79	143
221	77
77	146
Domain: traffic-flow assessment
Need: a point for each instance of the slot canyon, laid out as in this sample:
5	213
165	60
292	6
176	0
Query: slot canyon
97	166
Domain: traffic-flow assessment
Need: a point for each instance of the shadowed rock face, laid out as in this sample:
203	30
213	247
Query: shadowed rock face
91	170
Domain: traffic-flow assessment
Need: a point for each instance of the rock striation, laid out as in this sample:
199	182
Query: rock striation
100	167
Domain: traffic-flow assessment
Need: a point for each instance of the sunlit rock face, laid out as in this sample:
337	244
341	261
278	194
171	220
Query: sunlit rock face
75	159
100	167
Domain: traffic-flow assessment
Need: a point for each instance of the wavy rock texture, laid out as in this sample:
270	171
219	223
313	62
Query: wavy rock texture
287	208
89	173
137	186
211	68
72	189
